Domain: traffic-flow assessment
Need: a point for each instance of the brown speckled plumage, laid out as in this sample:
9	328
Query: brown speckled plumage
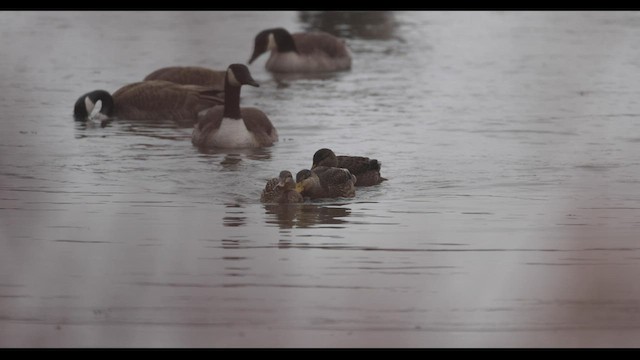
326	182
281	190
366	170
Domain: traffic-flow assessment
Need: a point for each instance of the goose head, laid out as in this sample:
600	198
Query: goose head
87	102
238	75
276	39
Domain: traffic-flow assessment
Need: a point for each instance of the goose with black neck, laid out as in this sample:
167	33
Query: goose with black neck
232	126
305	52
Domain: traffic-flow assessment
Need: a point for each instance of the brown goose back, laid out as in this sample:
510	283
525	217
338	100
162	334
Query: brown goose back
308	43
190	75
163	100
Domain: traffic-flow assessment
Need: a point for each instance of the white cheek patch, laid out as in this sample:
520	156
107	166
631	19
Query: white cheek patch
100	117
89	105
95	111
232	78
271	45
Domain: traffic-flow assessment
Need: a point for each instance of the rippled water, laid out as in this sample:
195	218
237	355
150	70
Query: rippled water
510	218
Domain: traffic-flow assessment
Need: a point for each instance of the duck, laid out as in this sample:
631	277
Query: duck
366	170
229	125
281	190
190	75
301	52
325	182
149	100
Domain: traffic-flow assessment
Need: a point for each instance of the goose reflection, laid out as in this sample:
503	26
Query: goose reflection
249	153
233	160
288	216
283	79
165	130
86	129
377	25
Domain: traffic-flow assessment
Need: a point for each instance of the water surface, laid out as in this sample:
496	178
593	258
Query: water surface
510	218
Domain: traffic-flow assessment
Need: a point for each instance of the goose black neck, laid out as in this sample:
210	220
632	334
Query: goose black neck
107	101
231	100
285	42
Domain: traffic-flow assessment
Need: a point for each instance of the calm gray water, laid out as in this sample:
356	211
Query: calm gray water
511	216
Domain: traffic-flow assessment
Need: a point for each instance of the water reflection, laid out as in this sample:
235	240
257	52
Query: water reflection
230	161
288	216
234	156
351	24
283	79
284	215
233	216
513	220
164	130
85	129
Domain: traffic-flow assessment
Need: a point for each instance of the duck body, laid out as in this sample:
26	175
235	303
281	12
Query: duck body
229	125
150	100
302	52
366	170
281	190
326	182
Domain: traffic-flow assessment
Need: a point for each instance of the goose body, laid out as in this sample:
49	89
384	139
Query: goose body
301	52
190	75
229	125
366	170
281	190
149	100
325	182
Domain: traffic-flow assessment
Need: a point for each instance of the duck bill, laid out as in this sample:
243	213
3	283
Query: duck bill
299	187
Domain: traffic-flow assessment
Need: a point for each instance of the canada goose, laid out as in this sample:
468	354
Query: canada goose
301	52
366	170
325	182
231	126
190	75
149	100
281	190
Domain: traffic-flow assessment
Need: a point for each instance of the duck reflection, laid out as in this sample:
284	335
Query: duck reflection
233	216
378	25
288	216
